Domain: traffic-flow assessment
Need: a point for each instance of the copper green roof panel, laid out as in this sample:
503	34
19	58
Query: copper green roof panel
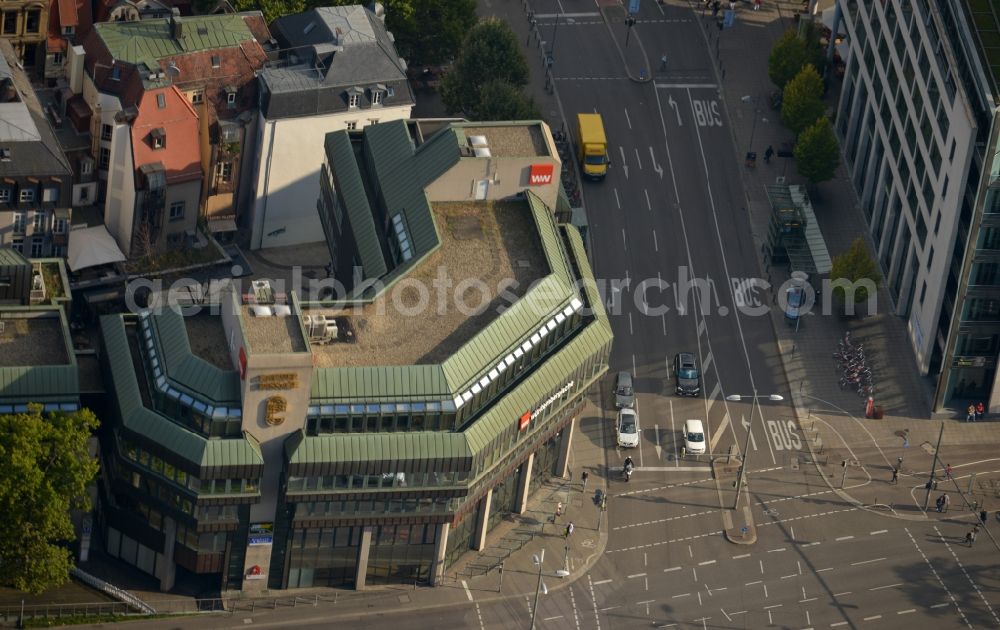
11	258
148	41
196	449
347	178
42	383
386	452
398	384
198	376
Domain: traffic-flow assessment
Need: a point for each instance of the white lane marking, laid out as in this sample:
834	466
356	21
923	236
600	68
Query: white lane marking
941	605
681	595
842	594
549	16
838	624
706	563
879	588
761	566
742	555
961	612
967	576
553	618
826	569
619	203
624	241
599	582
808	599
728	618
786	577
649	205
854	564
906	612
685	85
609	608
881	531
773	606
637	158
656	246
843	538
872	618
627	119
699	598
468	593
636	575
752	583
775	550
671	569
593	602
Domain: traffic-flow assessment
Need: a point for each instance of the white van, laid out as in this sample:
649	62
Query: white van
694	437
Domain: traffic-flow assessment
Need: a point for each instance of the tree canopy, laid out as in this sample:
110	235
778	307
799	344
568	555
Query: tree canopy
499	100
817	152
854	265
791	54
44	472
490	52
803	103
425	31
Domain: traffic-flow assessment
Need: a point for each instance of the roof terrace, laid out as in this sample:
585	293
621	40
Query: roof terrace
274	333
489	256
32	338
511	141
207	338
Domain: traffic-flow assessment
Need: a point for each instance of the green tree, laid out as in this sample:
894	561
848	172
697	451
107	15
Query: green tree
803	103
792	53
499	100
851	269
489	52
44	472
421	44
817	152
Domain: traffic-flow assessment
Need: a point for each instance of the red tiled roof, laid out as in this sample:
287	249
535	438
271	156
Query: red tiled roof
178	120
67	13
237	68
255	22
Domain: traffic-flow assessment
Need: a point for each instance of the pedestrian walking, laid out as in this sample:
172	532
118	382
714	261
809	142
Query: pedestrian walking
756	5
969	538
895	475
768	154
569	530
970	413
940	503
947	502
663	63
715	8
982	516
558	509
732	5
980	411
947	471
584	476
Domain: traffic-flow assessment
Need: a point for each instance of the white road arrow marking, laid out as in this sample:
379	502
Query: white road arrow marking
746	425
624	164
677	110
656	167
657	447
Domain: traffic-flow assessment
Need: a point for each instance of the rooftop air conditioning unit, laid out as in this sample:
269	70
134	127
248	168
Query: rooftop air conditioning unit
262	292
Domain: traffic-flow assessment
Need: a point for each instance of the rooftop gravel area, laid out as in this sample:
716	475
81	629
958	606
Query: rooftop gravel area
30	341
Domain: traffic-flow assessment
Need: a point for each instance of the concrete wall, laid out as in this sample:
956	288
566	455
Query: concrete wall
119	203
190	194
288	163
506	177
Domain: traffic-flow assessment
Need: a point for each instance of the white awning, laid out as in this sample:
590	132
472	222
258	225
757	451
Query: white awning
92	246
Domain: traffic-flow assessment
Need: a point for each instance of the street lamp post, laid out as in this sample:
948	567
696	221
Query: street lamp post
741	474
540	585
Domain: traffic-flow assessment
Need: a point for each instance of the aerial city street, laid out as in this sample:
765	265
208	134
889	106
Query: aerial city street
500	314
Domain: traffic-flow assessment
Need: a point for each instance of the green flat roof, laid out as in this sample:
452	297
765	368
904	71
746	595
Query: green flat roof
148	41
41	383
331	450
211	456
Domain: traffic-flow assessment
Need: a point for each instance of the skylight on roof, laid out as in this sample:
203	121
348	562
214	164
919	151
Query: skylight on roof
405	249
309	27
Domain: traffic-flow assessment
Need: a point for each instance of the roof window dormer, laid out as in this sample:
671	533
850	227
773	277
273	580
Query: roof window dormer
378	93
354	97
158	138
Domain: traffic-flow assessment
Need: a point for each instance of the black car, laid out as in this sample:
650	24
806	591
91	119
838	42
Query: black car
624	394
687	376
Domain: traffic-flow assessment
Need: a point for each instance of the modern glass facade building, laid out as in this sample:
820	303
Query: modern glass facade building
373	436
916	119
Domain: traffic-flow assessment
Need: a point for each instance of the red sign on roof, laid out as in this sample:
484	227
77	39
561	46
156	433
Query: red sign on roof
540	174
523	421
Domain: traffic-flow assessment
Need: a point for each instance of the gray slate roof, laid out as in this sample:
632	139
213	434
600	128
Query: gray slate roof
24	129
338	48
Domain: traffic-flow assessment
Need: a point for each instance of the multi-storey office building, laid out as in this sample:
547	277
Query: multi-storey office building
376	437
916	117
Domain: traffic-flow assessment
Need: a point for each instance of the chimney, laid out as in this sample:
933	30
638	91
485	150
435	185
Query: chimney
176	26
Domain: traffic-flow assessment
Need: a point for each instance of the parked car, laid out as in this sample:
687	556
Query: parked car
628	428
694	437
687	376
624	394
